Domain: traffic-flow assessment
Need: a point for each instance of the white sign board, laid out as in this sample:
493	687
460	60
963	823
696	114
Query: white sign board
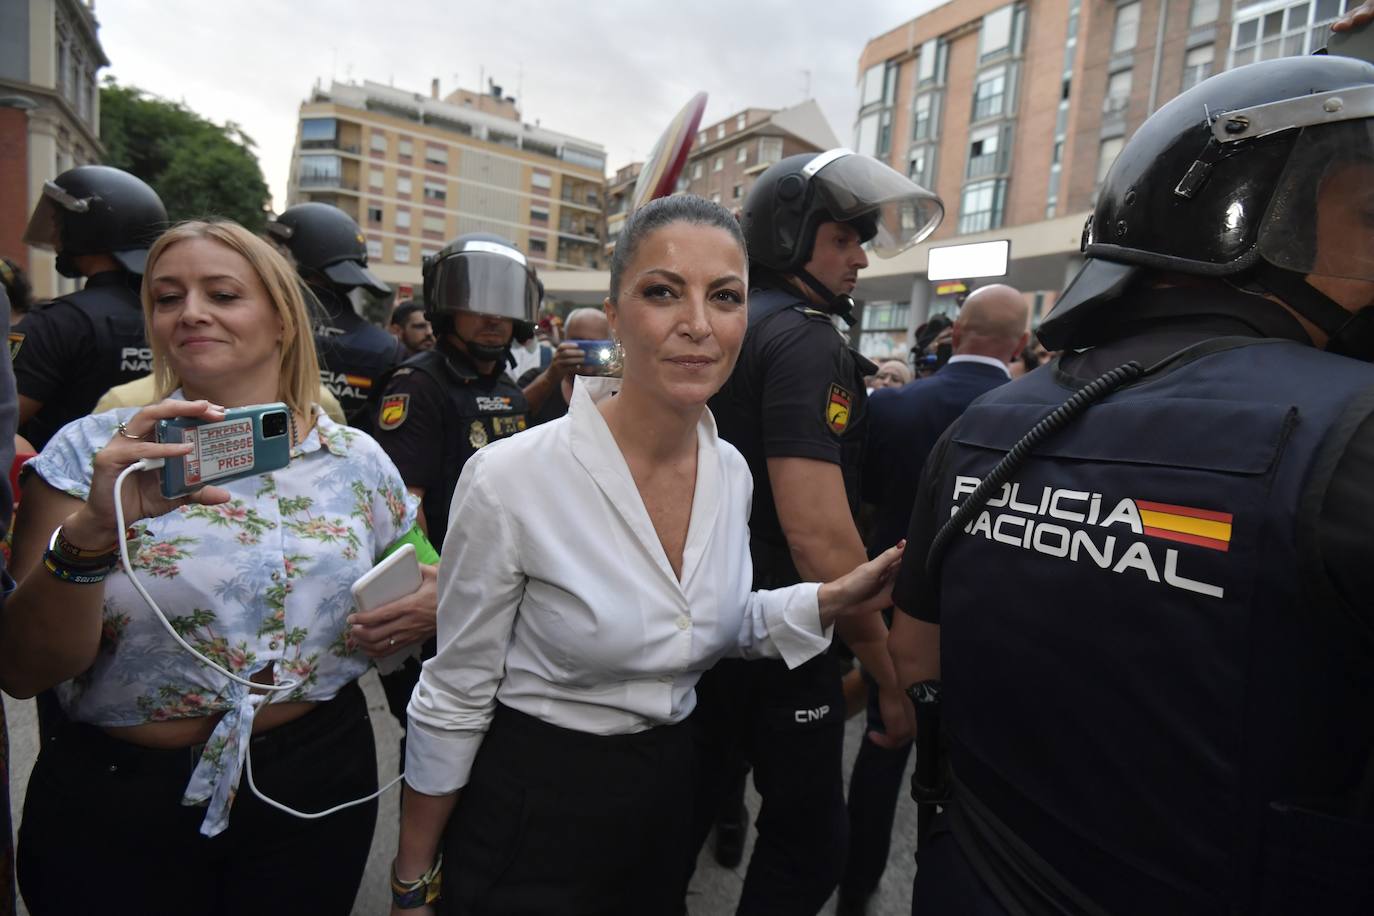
969	262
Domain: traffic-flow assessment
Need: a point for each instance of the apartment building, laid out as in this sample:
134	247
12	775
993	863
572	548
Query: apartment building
728	155
417	170
1014	112
619	198
50	54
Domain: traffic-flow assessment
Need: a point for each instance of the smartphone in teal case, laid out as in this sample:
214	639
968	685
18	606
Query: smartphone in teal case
248	441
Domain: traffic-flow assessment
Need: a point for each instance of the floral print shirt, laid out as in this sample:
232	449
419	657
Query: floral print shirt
260	580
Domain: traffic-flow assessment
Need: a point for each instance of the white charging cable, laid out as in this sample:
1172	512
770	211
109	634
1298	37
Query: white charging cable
152	464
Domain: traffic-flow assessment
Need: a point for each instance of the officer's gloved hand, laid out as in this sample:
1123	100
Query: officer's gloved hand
405	622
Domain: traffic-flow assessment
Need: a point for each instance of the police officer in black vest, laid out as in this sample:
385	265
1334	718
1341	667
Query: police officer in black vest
794	407
441	405
101	222
330	254
1151	614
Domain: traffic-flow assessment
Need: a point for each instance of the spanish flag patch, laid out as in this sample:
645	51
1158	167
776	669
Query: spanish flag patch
837	409
393	412
1199	527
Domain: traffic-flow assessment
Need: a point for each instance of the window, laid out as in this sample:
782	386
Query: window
742	154
720	131
1127	28
696	170
715	198
541	180
318	132
981	206
921	167
740	121
923	117
404	186
770	149
436	155
402	219
737	192
539	214
321	171
995	35
1204	12
701	138
539	246
984	152
1118	92
1298	28
884	133
374	215
379	143
585	158
374	249
374	178
428	254
1197	65
400	253
1106	155
866	135
405	147
433	223
435	190
872	85
718	164
990	93
925	63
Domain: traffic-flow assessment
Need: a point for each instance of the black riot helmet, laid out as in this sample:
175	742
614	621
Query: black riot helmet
1257	176
794	196
96	209
485	274
327	246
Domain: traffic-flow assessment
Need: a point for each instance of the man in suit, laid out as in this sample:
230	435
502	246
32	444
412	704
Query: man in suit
904	425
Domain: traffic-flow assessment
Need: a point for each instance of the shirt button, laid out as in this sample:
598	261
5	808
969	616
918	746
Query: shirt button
276	577
684	622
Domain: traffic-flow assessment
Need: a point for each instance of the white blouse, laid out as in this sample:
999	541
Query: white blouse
557	599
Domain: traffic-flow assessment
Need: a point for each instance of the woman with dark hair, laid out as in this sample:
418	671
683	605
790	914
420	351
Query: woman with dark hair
573	625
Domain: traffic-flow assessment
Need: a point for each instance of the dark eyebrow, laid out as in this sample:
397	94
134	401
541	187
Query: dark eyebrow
667	275
726	281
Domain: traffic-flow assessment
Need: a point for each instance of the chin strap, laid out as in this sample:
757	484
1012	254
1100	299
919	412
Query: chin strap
1348	334
836	304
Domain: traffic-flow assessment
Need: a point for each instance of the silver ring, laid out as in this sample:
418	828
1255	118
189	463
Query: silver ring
391	641
123	430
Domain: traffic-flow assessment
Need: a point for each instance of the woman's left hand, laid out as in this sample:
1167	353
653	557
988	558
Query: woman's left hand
1357	17
863	590
392	627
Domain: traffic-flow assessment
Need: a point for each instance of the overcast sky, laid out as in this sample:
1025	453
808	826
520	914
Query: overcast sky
610	71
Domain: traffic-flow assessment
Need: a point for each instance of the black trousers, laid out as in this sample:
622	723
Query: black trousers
875	788
790	726
559	821
104	830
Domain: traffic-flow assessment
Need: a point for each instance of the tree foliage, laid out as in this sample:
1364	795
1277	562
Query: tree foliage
197	167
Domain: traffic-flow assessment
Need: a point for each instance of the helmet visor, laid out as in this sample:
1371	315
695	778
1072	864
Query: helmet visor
1321	217
893	211
490	283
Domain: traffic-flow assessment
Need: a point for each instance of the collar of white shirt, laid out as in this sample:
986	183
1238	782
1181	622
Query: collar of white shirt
594	447
975	358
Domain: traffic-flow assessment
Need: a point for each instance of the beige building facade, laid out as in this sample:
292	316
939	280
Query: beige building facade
416	171
50	55
1014	112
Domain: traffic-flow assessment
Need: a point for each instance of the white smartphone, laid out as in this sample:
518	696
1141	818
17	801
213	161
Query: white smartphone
395	577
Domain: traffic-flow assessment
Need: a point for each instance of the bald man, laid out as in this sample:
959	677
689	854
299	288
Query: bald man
904	425
549	391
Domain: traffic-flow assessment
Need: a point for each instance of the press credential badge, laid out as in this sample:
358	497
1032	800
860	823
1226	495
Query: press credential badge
218	449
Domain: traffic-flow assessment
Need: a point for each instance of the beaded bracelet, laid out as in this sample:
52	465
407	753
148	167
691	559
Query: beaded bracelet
424	890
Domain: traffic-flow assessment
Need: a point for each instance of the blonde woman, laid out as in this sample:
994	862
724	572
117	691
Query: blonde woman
132	804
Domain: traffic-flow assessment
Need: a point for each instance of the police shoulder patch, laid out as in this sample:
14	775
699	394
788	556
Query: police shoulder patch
837	407
16	341
394	410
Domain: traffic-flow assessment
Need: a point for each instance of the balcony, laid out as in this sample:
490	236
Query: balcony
986	165
577	231
327	180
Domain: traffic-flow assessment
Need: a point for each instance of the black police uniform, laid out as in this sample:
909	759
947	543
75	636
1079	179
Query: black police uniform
796	391
68	353
436	410
354	353
1159	703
